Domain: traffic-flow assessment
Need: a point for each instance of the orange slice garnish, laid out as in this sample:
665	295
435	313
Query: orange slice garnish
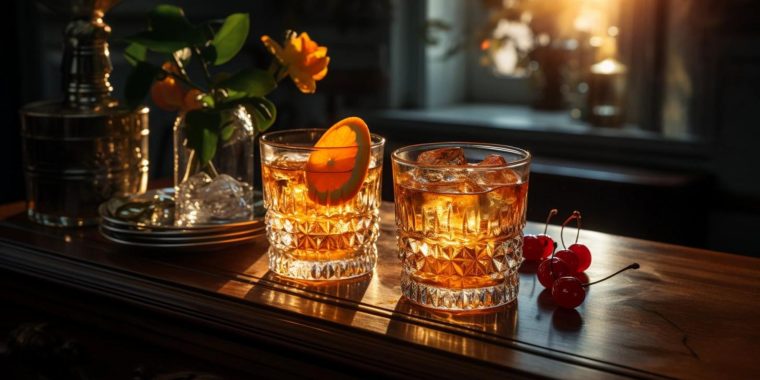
337	168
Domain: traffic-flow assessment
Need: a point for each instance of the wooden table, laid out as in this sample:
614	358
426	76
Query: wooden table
687	313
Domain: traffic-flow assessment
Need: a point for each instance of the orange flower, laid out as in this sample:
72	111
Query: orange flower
305	61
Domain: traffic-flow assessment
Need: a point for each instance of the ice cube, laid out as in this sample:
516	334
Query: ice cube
492	160
491	178
498	176
202	200
242	125
290	160
195	182
455	186
442	156
439	157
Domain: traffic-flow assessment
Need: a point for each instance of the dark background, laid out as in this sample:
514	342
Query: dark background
703	193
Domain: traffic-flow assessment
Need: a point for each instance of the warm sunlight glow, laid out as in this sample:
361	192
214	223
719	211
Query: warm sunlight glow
607	66
517	29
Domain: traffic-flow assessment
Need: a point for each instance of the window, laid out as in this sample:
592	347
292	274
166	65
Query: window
579	63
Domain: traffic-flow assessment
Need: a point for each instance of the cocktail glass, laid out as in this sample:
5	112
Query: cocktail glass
460	219
312	240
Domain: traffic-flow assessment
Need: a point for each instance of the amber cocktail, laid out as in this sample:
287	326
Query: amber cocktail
460	213
316	229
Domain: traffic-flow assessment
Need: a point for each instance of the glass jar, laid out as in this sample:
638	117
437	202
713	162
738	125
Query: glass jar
221	190
75	159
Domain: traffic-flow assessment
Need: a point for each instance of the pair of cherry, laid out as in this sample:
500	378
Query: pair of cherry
538	247
560	270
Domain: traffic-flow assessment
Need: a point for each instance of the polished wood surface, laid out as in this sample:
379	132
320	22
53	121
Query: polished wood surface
687	313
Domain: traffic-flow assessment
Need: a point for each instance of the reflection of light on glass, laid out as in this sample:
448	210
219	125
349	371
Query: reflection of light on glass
608	66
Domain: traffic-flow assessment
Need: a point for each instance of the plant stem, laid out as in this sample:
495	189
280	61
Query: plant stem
204	65
180	66
192	164
212	169
189	168
273	67
282	72
186	80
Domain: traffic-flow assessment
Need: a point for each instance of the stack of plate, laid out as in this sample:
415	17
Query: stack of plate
185	238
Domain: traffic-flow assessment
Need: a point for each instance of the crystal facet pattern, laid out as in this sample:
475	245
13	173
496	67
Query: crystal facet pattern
460	234
314	241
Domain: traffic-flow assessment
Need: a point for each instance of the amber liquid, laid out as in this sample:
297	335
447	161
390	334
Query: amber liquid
305	230
456	236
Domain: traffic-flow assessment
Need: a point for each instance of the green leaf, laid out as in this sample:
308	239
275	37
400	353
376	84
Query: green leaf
138	83
168	31
252	82
263	112
231	37
233	95
227	132
202	133
207	100
135	52
168	22
157	43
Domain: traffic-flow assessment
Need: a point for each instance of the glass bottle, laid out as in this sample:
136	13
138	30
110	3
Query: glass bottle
81	151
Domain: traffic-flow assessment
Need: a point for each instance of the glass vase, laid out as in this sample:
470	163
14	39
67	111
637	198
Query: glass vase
220	191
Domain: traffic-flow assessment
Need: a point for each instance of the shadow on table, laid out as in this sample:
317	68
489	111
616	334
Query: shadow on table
429	326
331	300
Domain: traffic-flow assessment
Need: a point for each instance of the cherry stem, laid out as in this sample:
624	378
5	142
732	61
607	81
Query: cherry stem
548	218
575	215
632	266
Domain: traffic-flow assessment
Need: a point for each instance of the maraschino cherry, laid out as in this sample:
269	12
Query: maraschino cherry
569	291
537	247
552	269
577	256
581	251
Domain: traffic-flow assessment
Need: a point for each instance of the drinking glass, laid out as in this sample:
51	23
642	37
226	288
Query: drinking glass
310	240
460	224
